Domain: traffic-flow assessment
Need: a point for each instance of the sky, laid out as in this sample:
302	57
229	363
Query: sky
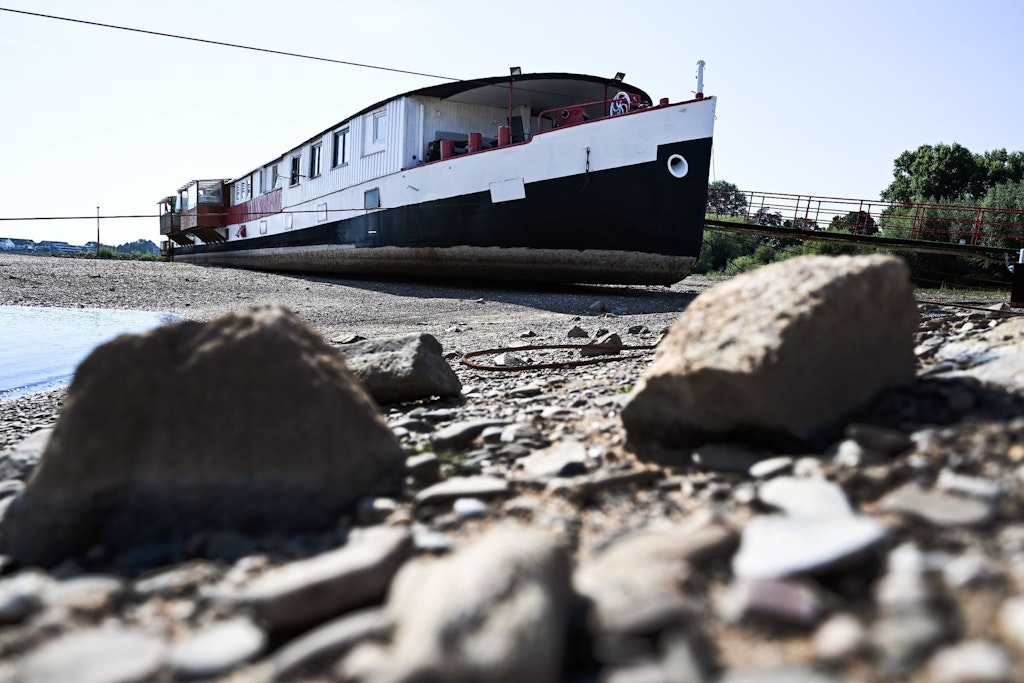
815	98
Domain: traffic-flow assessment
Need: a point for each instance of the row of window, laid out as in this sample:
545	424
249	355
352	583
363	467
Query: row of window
376	132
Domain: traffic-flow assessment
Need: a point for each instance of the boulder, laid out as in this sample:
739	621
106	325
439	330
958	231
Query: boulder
402	368
782	352
249	423
494	611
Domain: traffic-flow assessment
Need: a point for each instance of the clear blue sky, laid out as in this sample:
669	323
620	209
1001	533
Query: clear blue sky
814	97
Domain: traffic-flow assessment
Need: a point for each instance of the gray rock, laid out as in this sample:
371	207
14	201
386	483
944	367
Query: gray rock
330	641
781	602
425	467
577	332
494	611
22	595
105	655
976	487
279	437
217	649
462	487
404	368
903	641
727	457
784	350
785	674
565	458
815	498
19	461
1011	621
993	356
770	467
375	510
777	547
461	434
322	587
469	507
973	661
508	360
613	341
937	508
86	594
840	638
879	439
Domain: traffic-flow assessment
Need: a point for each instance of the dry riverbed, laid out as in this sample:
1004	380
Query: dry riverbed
940	599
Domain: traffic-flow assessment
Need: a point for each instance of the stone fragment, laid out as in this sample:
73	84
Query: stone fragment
469	507
577	332
322	587
105	655
375	510
770	467
1011	621
21	595
938	508
879	439
814	498
904	640
425	467
565	458
404	368
976	487
781	602
840	638
508	360
462	487
19	461
993	356
728	457
461	434
86	594
973	661
330	641
217	649
494	611
785	350
613	341
777	547
783	674
279	438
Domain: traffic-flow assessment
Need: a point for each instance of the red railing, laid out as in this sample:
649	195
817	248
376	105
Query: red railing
970	225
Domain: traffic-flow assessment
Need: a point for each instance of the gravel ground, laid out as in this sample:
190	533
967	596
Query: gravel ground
958	577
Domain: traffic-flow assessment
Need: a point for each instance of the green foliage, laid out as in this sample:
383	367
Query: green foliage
719	248
725	199
854	223
951	173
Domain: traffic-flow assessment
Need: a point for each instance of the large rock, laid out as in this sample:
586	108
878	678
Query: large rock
781	352
250	422
494	611
402	368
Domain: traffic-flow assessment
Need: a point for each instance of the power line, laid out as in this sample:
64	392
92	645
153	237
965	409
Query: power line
283	53
225	44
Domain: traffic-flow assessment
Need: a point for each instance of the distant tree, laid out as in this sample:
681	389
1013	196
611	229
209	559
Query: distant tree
936	172
139	246
768	218
725	199
855	222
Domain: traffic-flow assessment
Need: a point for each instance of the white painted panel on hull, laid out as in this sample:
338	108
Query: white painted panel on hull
508	190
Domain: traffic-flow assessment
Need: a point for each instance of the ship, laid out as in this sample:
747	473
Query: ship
536	177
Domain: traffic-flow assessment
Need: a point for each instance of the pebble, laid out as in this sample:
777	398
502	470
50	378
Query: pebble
880	439
479	486
805	497
1011	621
840	638
22	595
330	641
727	458
777	547
782	602
217	649
770	467
106	655
425	467
976	487
461	434
469	507
937	508
566	458
973	661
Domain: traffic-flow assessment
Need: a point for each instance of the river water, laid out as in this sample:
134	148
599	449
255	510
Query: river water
41	347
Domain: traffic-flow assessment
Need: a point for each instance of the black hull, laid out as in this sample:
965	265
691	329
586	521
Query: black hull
634	224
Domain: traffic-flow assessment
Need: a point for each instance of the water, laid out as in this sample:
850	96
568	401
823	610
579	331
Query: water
41	347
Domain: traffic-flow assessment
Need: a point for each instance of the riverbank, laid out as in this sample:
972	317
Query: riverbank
937	470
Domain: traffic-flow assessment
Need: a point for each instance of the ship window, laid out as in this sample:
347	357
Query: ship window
380	127
314	159
371	199
340	148
293	179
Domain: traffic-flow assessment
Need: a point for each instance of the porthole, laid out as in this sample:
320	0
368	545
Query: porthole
677	166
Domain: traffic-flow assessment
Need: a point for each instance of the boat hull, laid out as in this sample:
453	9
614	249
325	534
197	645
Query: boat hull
633	224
